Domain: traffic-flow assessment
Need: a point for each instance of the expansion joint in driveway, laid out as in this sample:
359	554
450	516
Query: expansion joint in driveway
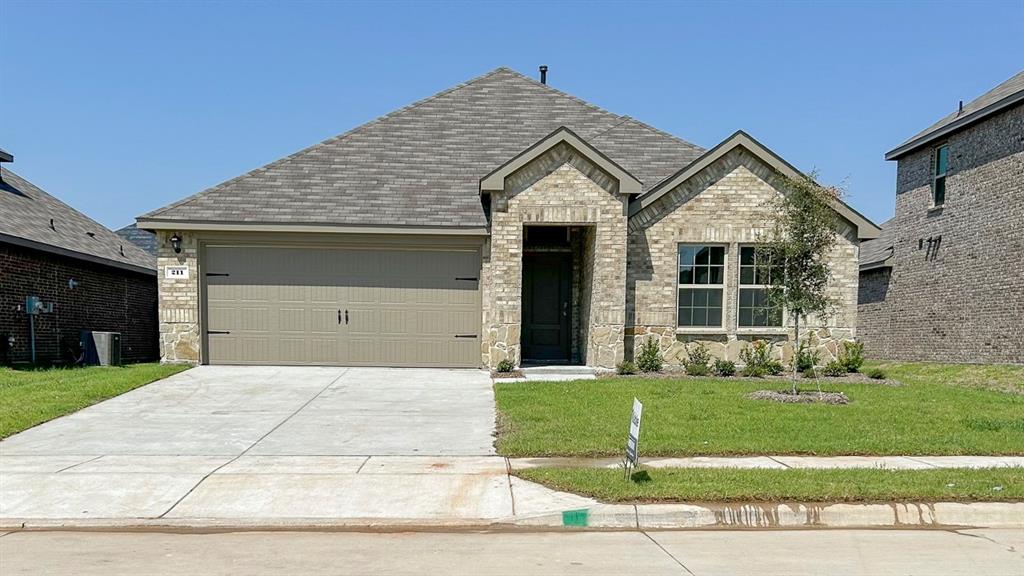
253	445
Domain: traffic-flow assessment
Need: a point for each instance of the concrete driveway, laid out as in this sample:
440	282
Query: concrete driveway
268	442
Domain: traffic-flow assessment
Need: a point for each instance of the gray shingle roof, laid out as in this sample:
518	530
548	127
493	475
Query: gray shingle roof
973	111
25	215
142	238
875	252
421	165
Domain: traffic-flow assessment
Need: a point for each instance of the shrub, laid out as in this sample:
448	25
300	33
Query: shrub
506	366
697	360
806	357
757	360
809	372
834	369
697	370
774	367
625	368
724	367
758	353
876	374
649	359
754	371
852	356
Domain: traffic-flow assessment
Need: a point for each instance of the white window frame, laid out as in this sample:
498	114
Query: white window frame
740	286
721	327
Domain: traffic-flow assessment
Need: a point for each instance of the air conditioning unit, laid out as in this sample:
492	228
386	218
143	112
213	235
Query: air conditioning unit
102	348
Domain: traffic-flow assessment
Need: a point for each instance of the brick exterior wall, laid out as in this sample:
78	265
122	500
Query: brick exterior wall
964	301
104	299
874	312
560	187
724	205
179	299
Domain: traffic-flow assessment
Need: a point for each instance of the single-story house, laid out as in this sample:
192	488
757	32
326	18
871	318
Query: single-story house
500	218
82	275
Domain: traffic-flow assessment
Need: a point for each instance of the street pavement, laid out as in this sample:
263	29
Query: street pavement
694	553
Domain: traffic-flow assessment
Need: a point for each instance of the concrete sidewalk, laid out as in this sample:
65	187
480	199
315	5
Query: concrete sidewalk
271	492
782	462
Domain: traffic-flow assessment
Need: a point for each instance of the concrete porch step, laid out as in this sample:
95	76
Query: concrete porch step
559	372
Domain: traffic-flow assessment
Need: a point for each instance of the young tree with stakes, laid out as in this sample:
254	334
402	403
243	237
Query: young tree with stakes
794	251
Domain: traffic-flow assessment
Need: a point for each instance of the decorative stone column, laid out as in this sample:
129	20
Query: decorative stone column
180	337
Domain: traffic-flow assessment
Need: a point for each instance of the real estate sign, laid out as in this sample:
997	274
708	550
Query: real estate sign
633	443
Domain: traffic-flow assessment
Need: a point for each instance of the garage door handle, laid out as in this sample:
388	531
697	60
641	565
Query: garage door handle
339	316
218	332
465	335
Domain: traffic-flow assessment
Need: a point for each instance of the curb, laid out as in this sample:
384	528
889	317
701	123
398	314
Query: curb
899	515
745	516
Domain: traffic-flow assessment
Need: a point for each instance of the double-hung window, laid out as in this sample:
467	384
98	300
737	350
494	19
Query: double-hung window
755	277
701	286
941	164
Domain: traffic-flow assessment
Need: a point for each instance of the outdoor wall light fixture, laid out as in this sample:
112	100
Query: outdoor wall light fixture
176	243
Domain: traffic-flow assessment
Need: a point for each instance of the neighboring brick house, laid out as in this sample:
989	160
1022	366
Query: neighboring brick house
499	219
945	281
142	238
94	279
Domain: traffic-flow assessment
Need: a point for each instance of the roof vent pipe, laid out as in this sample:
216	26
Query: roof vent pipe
543	74
961	110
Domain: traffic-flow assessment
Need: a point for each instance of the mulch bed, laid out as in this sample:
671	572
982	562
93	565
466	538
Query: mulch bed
512	374
803	397
679	374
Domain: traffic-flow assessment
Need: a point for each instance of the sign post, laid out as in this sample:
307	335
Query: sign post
633	442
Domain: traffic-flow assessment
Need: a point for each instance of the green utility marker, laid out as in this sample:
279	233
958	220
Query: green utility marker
575	517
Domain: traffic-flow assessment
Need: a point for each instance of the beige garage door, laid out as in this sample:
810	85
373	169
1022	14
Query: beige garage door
359	307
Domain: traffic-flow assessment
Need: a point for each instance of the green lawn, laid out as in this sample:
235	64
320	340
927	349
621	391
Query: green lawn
30	397
939	410
807	485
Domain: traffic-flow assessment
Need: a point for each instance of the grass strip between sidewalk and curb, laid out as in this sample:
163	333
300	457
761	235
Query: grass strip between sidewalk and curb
29	397
664	485
938	410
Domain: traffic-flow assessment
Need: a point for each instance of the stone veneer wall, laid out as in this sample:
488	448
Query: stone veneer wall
179	300
560	187
723	205
963	302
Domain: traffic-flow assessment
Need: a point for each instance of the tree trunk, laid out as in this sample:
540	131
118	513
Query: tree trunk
796	351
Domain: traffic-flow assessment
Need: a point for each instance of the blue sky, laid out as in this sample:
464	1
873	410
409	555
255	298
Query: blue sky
120	108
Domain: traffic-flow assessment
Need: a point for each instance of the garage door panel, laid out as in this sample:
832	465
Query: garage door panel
281	305
294	320
221	316
294	350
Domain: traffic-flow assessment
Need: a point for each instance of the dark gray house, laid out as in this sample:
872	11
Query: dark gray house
142	238
945	279
84	276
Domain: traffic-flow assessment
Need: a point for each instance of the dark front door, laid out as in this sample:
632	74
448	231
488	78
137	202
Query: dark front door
547	281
